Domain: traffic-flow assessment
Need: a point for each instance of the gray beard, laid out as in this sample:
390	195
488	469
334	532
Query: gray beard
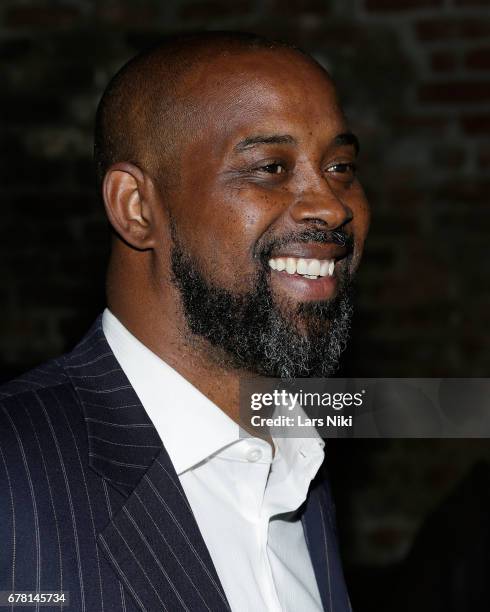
251	332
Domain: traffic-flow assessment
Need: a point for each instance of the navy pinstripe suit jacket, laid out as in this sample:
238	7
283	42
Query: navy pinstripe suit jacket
90	502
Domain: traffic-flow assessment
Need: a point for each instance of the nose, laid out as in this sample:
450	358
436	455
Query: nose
321	206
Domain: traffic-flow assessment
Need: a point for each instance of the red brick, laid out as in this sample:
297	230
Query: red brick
125	15
440	476
387	538
476	124
452	28
346	34
423	122
15	49
478	59
443	61
213	9
400	5
453	220
466	191
484	157
454	92
39	16
293	7
475	28
471	3
449	157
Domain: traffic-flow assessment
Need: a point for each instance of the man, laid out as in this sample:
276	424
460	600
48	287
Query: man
228	175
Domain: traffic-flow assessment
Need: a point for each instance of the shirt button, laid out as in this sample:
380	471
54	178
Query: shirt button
254	454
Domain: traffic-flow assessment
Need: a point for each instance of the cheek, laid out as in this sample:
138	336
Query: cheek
224	230
241	223
363	219
360	222
246	216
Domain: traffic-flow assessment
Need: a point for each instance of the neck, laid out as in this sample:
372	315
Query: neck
158	322
152	312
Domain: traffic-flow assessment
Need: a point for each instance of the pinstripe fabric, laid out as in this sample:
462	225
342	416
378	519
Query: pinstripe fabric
320	531
91	504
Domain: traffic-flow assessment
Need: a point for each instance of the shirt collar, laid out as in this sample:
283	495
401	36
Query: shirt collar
190	426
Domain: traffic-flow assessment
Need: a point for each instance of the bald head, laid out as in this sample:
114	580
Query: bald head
261	164
146	110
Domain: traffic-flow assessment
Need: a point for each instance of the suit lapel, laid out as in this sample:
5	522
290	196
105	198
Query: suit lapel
320	532
153	542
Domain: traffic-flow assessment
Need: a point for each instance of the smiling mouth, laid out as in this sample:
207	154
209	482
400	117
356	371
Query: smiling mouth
307	268
304	277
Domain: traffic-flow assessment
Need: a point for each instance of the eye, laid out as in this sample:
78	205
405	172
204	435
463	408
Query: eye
346	169
274	168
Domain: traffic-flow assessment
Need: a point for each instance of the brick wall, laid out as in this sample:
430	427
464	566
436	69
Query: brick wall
415	79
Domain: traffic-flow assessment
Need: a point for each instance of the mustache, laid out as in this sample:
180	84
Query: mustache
339	237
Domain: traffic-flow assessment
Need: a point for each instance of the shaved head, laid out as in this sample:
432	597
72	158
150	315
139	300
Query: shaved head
145	113
221	154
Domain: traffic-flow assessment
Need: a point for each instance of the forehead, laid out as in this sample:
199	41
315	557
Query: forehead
263	90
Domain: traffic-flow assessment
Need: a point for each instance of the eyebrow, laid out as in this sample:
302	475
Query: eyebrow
252	141
346	138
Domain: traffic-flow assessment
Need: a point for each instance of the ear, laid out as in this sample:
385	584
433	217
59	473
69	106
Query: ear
129	206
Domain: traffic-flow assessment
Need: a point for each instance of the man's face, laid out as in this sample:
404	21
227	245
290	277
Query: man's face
269	219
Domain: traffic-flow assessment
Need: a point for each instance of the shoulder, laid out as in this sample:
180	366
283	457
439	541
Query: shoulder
54	374
34	403
43	438
49	374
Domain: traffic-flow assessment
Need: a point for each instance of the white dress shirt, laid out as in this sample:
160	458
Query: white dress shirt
244	501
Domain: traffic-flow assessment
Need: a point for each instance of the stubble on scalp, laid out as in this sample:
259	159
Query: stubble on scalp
144	118
146	113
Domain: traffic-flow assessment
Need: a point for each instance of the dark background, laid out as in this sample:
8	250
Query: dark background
414	76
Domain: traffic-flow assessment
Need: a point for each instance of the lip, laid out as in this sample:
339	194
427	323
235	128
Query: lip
305	289
312	250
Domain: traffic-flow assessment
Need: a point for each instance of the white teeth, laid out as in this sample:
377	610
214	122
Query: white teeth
314	268
280	264
302	266
310	268
290	265
324	268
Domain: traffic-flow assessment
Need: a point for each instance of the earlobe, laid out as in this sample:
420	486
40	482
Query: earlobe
127	208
